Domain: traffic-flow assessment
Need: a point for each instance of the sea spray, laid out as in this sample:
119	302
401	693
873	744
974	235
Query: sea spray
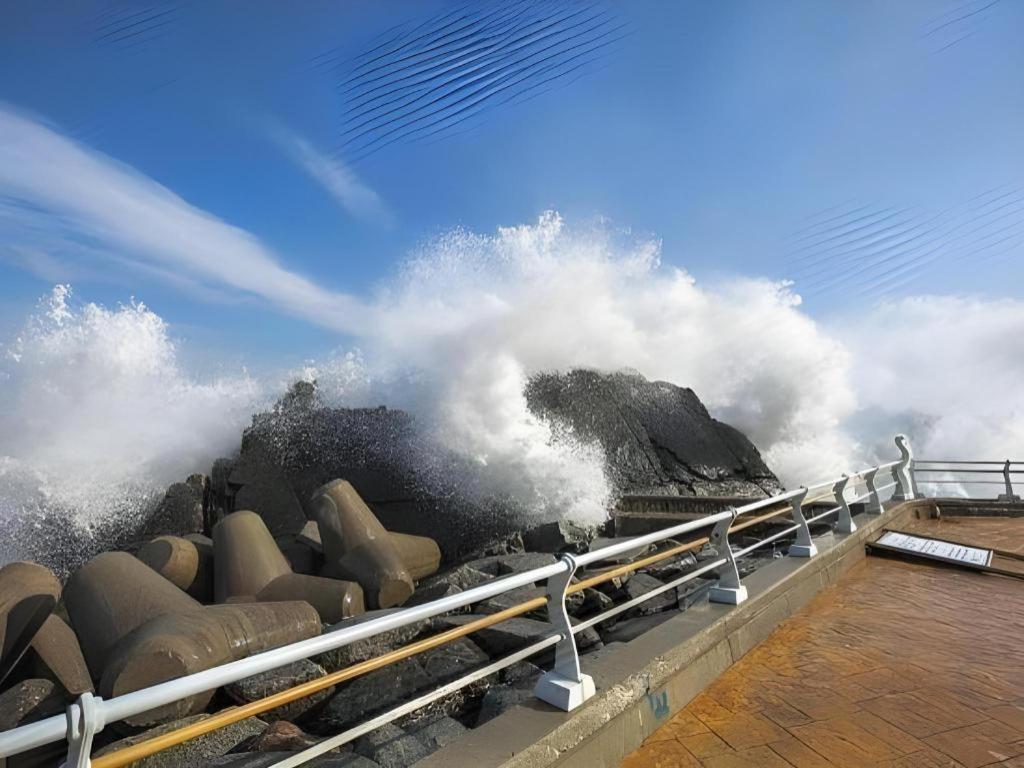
99	414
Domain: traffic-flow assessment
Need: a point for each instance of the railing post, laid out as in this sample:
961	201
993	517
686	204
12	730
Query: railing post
844	524
803	546
903	473
85	720
874	504
565	686
1009	495
729	589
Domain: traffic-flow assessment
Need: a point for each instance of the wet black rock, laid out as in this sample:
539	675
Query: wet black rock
268	759
558	536
369	647
194	751
386	688
280	679
438	731
641	584
658	437
391	747
29	701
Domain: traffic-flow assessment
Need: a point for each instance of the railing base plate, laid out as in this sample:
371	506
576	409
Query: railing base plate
802	550
562	692
727	595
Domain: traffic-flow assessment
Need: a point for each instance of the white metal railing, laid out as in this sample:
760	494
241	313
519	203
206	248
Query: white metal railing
565	686
952	471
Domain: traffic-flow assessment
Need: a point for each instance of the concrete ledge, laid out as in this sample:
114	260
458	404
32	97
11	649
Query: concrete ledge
642	683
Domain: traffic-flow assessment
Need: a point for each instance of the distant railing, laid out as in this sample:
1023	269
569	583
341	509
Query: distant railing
957	468
566	686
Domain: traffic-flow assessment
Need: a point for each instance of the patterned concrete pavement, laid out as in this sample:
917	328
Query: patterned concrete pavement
900	664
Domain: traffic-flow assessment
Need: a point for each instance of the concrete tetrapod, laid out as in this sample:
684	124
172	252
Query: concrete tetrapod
28	595
59	657
182	562
357	547
420	555
174	645
112	595
245	556
247	561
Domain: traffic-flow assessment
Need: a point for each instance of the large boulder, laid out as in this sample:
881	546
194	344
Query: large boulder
658	437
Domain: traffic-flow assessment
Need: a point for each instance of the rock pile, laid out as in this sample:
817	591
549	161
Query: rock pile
331	517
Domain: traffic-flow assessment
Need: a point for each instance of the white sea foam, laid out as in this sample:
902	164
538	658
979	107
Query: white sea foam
98	411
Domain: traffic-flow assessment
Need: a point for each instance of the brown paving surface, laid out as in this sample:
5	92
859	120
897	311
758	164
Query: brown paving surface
899	665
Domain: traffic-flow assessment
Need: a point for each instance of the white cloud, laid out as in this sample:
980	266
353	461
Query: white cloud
949	369
90	197
339	180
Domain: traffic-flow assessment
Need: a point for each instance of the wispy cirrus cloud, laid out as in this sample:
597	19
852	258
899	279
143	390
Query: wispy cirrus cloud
355	197
83	201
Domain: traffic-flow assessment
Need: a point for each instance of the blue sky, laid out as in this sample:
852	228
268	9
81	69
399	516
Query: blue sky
733	131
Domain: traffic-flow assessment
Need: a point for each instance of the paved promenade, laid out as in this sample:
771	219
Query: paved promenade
900	664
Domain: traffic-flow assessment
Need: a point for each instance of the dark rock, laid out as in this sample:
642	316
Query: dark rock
437	732
641	584
180	512
559	536
462	578
514	597
300	557
276	680
503	638
693	592
623	557
391	747
28	594
272	498
370	647
504	546
501	698
522	673
658	437
516	562
268	759
279	736
386	688
29	701
195	751
434	592
513	634
594	602
672	568
452	660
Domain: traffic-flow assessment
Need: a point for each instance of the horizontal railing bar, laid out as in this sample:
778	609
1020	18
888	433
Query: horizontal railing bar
652	538
156	744
767	540
1001	463
737	527
131	704
621	570
925	481
762	503
826	513
615	611
411	706
954	470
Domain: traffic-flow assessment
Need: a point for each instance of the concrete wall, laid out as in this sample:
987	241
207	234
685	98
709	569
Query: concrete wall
641	684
